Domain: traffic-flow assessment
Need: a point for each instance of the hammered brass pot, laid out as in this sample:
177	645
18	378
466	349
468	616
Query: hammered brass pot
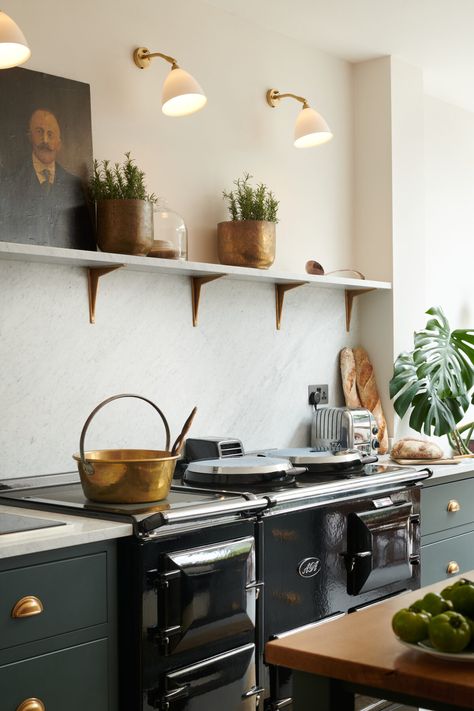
125	226
246	243
126	476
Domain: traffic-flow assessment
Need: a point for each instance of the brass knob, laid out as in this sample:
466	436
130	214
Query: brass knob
27	607
452	568
453	506
31	705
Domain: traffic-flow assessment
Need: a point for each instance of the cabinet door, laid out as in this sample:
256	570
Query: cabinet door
74	679
72	594
446	506
436	557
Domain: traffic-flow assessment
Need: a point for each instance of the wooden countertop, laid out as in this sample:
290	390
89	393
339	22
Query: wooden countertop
361	648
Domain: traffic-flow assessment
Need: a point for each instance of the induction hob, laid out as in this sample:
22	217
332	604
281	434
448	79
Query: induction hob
16	523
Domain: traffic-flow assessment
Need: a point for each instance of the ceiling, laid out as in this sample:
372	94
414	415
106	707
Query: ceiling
436	35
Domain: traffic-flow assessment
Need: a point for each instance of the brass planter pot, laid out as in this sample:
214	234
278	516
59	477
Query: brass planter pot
125	226
246	243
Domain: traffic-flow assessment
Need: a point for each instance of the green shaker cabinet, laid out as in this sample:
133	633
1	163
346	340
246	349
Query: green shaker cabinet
447	527
58	630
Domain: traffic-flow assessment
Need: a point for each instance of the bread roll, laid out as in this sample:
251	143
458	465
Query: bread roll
348	376
415	448
369	395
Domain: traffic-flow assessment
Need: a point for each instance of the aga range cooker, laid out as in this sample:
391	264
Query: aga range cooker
216	570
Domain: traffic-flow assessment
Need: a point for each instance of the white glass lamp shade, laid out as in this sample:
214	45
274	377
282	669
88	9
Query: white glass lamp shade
311	129
14	49
181	94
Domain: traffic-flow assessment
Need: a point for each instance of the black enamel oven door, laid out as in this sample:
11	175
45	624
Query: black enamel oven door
379	547
222	683
206	594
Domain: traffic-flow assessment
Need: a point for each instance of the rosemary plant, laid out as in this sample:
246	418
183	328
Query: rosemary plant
119	181
248	203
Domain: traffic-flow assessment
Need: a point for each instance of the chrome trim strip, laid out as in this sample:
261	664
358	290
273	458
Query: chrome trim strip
349	486
311	625
218	508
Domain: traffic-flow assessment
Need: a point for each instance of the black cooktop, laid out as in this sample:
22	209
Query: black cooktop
16	523
188	502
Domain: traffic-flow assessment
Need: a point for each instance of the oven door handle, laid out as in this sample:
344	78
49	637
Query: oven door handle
173	695
254	691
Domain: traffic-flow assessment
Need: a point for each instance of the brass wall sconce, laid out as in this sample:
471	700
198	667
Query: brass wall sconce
310	128
181	93
14	48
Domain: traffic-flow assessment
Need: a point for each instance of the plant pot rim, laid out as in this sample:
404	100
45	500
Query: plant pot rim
243	222
124	200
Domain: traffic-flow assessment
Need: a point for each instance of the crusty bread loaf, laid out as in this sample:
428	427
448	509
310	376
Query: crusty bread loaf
369	395
348	376
416	448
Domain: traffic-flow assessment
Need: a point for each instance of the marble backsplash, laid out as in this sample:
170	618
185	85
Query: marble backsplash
248	380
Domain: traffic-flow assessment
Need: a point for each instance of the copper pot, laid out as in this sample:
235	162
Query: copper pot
125	226
246	243
126	476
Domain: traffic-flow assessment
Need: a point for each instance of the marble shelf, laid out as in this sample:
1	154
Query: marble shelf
99	264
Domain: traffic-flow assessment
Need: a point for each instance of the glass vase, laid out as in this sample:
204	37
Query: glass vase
170	234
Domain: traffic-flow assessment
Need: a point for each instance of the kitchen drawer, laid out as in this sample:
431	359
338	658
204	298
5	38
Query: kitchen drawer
435	500
435	558
73	593
74	679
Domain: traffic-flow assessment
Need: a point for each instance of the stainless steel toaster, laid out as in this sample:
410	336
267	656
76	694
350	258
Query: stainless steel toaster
336	428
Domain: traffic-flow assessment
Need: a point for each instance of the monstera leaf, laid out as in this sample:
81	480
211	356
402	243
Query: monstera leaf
435	379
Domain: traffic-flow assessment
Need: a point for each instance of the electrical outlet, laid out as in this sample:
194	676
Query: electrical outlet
323	391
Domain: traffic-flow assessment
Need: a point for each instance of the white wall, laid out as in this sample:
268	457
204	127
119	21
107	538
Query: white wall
190	160
449	195
247	379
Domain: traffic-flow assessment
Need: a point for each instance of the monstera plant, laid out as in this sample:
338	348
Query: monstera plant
436	379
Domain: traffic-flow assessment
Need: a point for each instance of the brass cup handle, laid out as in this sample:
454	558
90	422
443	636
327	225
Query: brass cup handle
27	607
452	568
31	705
453	506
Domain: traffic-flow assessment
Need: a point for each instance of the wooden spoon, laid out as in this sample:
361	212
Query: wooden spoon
180	438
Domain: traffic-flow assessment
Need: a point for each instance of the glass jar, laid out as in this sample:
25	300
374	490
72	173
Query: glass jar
170	234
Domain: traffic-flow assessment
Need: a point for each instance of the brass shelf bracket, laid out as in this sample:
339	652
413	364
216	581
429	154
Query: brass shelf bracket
94	275
350	294
280	291
196	284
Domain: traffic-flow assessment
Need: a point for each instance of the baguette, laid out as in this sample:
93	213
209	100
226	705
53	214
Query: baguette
348	376
369	395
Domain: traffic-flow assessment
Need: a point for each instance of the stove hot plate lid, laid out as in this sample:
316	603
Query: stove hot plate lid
322	461
248	464
247	469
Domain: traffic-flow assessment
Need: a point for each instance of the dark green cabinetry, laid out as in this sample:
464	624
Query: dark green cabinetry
65	655
447	527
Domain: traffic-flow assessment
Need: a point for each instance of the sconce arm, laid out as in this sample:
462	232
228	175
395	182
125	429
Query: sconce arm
274	96
142	58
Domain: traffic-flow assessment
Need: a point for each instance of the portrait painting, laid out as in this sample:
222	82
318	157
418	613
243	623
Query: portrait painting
45	160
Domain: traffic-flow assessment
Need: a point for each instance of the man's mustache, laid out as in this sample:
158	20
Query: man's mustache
45	147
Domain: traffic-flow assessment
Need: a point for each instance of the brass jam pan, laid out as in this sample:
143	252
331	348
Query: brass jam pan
126	476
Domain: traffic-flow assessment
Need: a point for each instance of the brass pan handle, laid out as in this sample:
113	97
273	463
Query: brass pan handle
27	607
452	568
31	705
453	506
89	468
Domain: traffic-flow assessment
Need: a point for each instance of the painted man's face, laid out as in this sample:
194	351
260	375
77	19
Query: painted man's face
45	136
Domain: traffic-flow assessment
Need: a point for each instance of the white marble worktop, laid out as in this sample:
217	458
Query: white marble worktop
441	472
78	530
